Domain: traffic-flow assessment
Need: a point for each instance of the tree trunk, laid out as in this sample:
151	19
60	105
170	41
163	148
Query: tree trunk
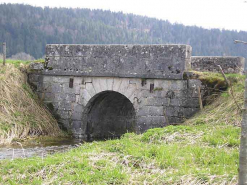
243	144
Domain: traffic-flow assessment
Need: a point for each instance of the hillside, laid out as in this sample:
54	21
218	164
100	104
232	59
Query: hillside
21	113
28	29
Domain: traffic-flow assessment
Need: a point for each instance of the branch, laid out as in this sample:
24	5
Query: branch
229	84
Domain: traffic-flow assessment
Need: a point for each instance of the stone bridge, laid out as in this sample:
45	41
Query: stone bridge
100	91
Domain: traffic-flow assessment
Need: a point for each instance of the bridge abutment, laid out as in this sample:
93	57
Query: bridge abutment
94	104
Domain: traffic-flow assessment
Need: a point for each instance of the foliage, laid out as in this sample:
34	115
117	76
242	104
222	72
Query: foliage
28	29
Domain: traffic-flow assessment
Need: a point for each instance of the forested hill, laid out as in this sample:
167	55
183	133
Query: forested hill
28	29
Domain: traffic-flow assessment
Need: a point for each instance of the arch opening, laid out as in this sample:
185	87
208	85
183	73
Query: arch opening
109	114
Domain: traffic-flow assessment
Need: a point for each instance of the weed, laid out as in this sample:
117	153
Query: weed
158	88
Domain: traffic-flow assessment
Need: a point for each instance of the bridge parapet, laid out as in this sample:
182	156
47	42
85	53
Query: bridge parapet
229	64
138	61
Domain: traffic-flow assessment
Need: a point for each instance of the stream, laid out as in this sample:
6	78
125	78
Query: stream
22	150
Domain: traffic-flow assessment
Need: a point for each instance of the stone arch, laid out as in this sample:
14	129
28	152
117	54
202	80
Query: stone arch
127	87
109	114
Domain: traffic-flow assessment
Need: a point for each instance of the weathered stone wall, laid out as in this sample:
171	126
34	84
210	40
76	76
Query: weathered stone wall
228	64
156	102
142	61
103	90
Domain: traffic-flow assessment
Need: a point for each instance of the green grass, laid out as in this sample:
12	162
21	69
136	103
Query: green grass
172	155
18	63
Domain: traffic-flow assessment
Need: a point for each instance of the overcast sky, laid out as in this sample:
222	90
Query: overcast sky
227	14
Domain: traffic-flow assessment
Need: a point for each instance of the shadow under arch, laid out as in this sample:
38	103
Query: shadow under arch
109	114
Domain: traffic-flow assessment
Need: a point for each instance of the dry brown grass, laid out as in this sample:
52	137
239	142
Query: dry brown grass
224	109
21	114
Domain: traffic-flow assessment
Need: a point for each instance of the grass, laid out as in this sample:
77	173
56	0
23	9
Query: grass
223	110
21	113
18	63
171	155
205	150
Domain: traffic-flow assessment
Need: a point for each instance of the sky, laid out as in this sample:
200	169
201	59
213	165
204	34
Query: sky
223	14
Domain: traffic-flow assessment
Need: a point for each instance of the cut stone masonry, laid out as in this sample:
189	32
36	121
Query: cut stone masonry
100	91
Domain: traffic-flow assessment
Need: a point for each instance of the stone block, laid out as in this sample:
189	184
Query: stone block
147	61
65	105
183	93
63	114
36	66
157	93
190	102
64	123
46	79
33	78
66	89
174	111
194	83
143	111
76	116
40	87
229	64
77	89
155	101
175	120
79	99
145	93
90	89
76	125
158	121
175	102
96	85
156	111
78	108
143	123
103	84
78	81
66	97
178	85
86	96
49	97
60	79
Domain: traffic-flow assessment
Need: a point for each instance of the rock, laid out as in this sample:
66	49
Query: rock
36	66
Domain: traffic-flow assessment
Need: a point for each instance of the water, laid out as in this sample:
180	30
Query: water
22	150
